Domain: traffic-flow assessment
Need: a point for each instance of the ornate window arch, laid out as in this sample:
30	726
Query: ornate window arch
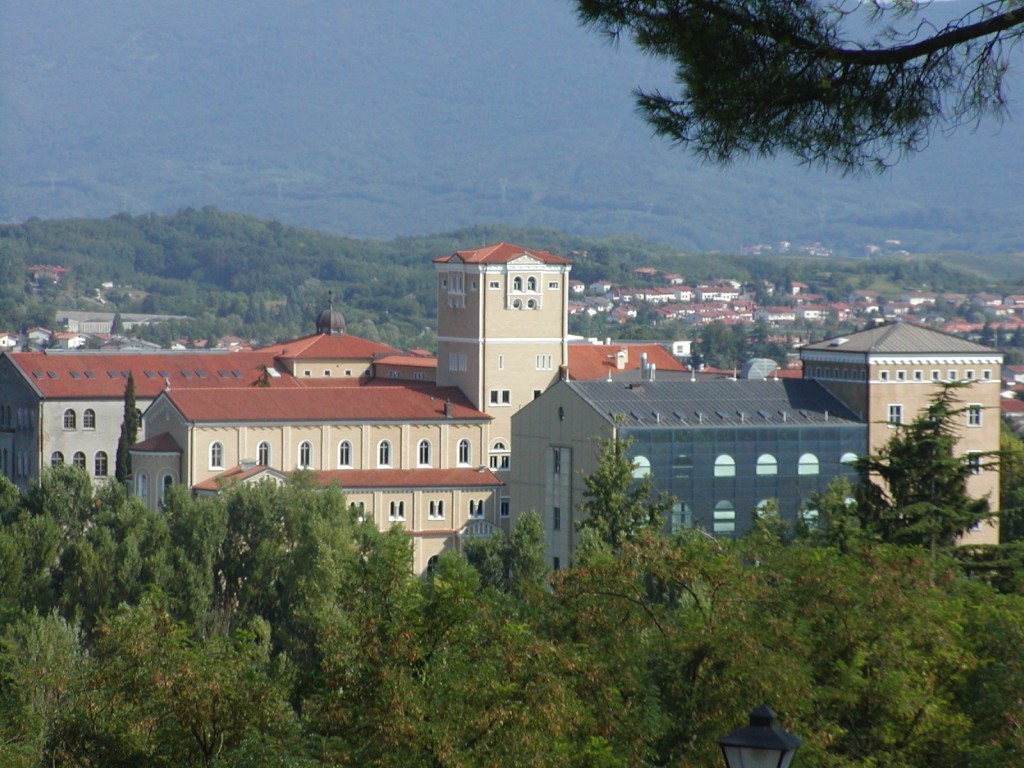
263	454
216	455
499	459
344	454
423	453
465	453
384	453
305	454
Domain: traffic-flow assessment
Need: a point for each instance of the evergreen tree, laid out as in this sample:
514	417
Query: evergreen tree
129	433
616	505
922	498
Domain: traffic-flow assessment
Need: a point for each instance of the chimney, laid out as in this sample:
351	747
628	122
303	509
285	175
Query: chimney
448	408
645	374
621	358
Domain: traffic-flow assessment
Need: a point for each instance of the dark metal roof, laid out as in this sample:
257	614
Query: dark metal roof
743	402
901	339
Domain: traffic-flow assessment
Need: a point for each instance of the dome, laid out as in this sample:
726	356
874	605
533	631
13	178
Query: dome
758	368
330	321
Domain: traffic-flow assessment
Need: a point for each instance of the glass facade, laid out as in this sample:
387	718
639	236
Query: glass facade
683	462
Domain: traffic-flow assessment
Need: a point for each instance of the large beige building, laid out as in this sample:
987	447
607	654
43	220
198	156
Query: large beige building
502	324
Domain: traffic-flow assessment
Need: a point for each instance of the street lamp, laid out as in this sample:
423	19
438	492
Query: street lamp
762	744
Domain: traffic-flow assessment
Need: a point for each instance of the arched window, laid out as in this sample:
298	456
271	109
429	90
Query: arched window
56	459
767	465
100	464
764	505
682	467
848	459
531	284
465	457
808	465
641	467
476	508
432	564
724	518
517	284
305	454
384	453
397	511
344	454
436	511
500	459
263	454
423	453
142	486
70	420
166	483
89	419
216	456
725	466
78	459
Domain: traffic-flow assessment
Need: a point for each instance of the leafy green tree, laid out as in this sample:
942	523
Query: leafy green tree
914	491
514	563
829	84
617	506
129	433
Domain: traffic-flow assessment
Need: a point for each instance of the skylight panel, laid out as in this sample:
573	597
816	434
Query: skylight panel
113	374
150	374
236	373
201	374
75	375
52	374
186	374
90	375
37	374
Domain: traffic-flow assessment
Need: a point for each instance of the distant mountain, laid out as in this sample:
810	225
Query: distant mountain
388	119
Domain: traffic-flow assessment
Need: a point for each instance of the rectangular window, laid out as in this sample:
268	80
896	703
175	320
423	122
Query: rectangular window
501	362
974	463
951	375
537	393
553	285
501	397
901	375
969	375
883	375
935	375
556	465
504	506
986	375
494	285
974	415
895	414
327	371
556	518
918	375
556	564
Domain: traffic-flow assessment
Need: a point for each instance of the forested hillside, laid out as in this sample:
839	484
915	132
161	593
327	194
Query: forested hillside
264	280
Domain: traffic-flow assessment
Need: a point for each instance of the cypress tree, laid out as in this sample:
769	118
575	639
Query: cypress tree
129	433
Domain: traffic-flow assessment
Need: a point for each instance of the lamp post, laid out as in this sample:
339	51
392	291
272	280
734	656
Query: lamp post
762	744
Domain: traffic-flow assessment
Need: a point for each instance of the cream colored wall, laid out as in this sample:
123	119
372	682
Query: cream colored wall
538	429
332	368
915	396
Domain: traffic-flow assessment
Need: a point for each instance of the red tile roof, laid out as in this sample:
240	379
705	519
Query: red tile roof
323	346
409	478
500	253
411	361
104	375
162	443
372	402
236	474
1011	405
594	361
